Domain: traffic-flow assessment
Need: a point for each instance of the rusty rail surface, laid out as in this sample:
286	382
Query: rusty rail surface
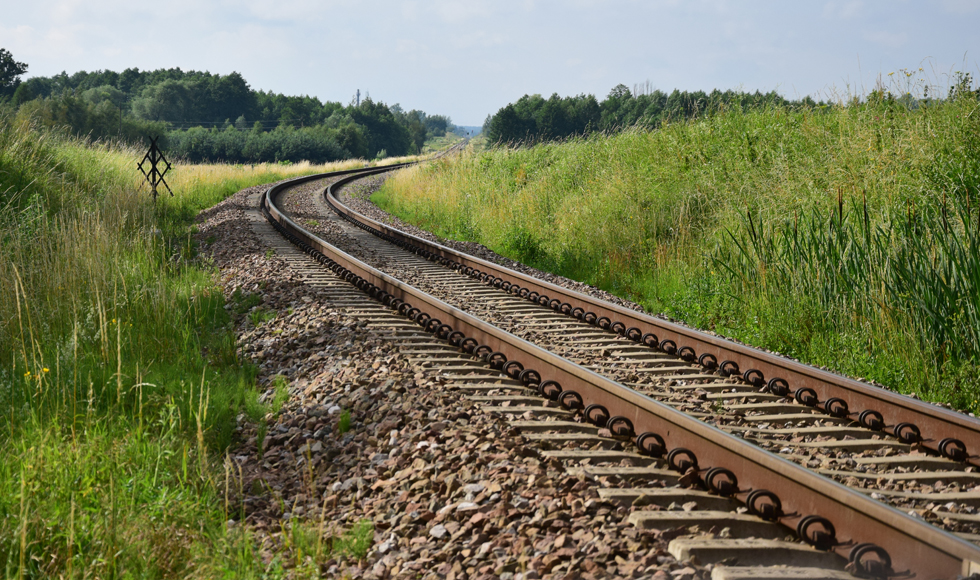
879	540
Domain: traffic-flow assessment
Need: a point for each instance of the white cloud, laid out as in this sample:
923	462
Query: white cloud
843	10
961	6
456	12
887	39
299	11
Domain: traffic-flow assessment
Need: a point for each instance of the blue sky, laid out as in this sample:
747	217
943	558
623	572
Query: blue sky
469	58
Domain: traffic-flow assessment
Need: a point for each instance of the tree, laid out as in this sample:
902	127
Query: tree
170	101
617	108
507	126
22	95
352	139
382	129
227	97
552	119
417	134
10	71
437	125
103	93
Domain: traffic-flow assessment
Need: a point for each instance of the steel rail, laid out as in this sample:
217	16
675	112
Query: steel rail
948	433
825	513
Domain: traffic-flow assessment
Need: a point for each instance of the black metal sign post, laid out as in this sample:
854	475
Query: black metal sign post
156	161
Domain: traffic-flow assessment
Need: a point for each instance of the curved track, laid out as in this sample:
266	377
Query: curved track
659	358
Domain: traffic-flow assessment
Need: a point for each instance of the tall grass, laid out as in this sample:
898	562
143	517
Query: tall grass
119	377
662	217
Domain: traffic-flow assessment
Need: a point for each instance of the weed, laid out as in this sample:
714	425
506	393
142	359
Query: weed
242	302
356	542
259	316
344	422
261	430
281	394
310	545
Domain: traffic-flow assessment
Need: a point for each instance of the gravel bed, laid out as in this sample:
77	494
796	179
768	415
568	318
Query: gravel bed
451	492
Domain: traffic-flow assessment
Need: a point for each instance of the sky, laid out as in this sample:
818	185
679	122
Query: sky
469	58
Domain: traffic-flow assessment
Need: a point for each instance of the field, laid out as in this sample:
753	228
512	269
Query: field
845	236
120	383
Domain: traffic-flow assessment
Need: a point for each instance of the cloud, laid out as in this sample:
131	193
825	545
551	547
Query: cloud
843	10
455	12
477	40
961	6
298	11
886	39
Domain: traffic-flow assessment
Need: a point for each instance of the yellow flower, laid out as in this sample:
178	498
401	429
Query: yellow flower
27	374
45	369
113	320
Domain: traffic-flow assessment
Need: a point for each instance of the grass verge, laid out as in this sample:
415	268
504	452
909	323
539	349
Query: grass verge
120	382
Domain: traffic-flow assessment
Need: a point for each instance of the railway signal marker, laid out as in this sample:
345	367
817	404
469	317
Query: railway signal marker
154	157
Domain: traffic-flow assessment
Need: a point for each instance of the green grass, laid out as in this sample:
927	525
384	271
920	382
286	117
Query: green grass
120	381
260	316
344	423
846	260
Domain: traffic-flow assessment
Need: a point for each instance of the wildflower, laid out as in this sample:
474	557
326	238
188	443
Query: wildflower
27	374
46	369
113	320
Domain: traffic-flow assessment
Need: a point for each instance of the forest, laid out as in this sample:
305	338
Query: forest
212	117
536	119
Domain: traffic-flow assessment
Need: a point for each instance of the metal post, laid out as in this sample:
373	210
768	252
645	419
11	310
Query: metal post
155	176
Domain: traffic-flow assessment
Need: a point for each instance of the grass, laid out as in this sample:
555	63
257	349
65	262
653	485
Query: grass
841	236
260	316
120	382
311	545
344	423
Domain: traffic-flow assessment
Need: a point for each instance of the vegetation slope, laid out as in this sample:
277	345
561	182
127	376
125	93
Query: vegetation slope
119	381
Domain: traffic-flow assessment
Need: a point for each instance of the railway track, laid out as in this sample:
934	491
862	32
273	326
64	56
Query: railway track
648	408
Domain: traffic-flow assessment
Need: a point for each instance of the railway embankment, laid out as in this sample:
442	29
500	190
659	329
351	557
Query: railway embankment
843	236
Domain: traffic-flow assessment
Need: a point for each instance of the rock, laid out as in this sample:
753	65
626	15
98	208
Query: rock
438	531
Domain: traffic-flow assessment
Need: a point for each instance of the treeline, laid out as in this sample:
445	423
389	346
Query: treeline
534	118
212	117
